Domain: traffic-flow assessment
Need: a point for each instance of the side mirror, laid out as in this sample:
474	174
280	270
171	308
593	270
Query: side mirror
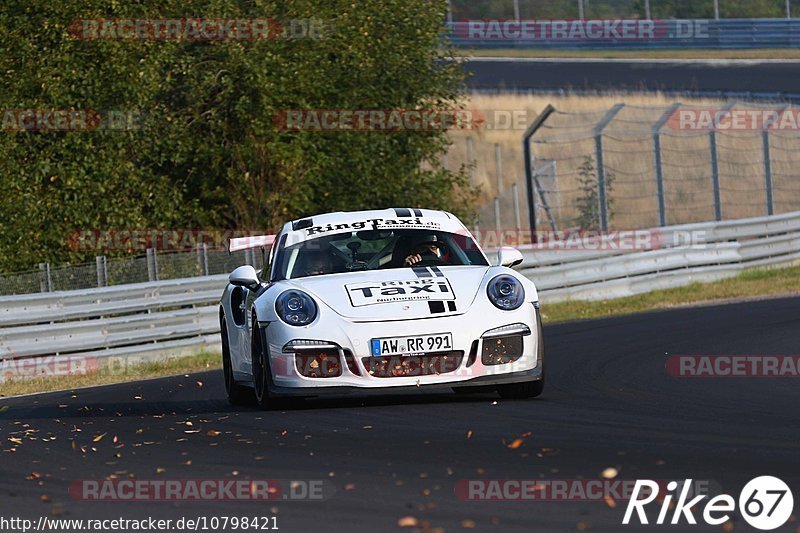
244	276
509	257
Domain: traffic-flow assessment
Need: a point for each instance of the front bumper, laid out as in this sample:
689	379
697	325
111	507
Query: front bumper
428	388
354	338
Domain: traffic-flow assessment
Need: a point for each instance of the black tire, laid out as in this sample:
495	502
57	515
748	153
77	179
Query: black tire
262	373
261	368
237	395
521	390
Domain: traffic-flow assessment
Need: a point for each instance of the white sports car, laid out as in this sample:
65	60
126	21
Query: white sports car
367	300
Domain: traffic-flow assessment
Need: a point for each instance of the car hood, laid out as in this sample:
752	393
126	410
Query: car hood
396	294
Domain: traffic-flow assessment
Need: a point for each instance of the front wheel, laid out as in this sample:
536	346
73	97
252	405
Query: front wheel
261	368
262	372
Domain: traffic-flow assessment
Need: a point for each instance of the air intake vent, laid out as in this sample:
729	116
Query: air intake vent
302	224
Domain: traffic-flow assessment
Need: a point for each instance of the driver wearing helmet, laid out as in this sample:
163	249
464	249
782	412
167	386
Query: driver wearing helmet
429	247
316	263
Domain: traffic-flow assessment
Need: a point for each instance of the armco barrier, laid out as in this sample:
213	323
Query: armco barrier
668	34
74	331
116	326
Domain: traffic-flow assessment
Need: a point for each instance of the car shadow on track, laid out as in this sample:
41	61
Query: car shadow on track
386	399
143	408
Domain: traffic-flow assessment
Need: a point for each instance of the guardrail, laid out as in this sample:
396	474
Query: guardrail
113	326
69	332
714	250
602	34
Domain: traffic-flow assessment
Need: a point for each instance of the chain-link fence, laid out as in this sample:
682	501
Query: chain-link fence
151	266
632	166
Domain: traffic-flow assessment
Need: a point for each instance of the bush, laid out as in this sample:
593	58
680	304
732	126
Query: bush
206	151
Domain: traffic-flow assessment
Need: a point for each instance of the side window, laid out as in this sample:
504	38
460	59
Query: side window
277	243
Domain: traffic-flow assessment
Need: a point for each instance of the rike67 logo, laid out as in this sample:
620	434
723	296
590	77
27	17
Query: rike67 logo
765	503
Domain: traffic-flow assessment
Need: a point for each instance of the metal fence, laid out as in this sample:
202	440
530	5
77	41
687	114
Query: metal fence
148	267
631	167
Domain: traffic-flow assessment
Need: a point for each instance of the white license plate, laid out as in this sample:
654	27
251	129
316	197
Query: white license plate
411	344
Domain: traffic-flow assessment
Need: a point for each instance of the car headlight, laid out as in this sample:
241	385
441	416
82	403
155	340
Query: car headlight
296	308
505	292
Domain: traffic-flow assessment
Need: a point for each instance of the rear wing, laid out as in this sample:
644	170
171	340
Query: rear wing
248	243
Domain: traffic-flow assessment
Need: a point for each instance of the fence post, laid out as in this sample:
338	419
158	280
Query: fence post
498	163
543	198
526	150
647	9
716	9
517	217
715	175
601	171
45	281
516	9
497	222
767	170
580	9
768	163
152	264
202	258
662	204
470	160
712	139
102	271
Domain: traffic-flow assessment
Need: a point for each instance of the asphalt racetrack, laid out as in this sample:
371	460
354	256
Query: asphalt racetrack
608	403
742	78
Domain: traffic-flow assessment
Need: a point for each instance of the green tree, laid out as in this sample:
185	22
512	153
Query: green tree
207	152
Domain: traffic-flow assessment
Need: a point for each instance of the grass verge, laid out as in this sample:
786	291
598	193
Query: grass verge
750	284
755	283
781	53
181	365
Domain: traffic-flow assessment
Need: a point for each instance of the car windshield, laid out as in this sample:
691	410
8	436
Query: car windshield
377	250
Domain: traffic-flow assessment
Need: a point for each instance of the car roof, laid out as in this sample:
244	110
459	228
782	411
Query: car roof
393	218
